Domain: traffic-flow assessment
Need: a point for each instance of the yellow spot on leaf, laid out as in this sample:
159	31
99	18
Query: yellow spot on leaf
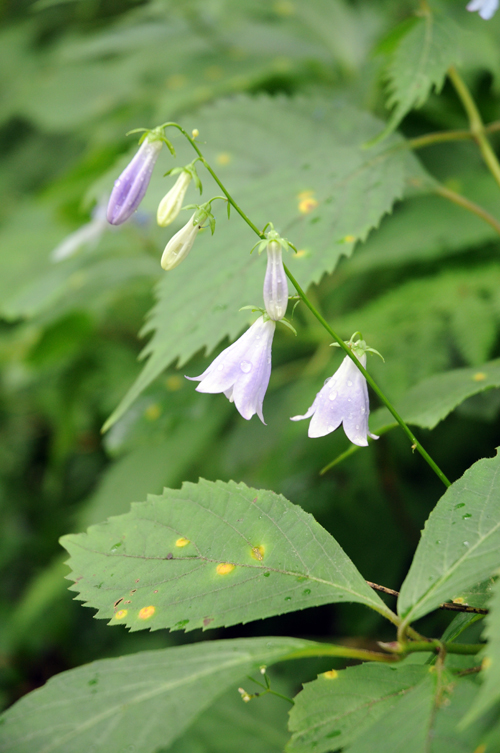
284	8
486	663
176	81
307	205
480	376
153	412
224	158
146	613
173	383
301	253
224	568
182	541
121	614
480	748
349	238
459	600
258	553
331	675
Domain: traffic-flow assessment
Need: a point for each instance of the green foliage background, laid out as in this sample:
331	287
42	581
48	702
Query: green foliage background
286	94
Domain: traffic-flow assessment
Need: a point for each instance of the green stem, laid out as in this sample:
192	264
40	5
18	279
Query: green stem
476	123
450	648
415	443
342	652
470	206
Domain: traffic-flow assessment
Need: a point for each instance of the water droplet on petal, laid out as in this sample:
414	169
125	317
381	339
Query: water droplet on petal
332	395
363	410
349	383
330	428
245	366
357	426
220	367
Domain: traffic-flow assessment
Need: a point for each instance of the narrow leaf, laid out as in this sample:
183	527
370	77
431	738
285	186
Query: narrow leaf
338	707
208	555
138	702
460	544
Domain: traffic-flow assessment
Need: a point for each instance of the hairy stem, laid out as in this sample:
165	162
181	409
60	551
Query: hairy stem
476	123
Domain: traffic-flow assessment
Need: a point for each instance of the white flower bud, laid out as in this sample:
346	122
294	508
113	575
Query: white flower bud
275	283
171	204
180	245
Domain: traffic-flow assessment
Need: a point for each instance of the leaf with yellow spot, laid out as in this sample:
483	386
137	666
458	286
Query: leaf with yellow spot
273	558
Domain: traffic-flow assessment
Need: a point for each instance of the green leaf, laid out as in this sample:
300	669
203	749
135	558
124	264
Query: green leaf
332	711
211	554
231	725
405	727
490	688
138	702
419	64
271	155
460	544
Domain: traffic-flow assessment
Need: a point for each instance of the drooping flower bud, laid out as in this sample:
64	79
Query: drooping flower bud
130	187
180	244
275	283
171	204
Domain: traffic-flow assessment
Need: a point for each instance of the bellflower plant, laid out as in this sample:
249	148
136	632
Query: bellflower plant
343	400
131	186
486	8
180	244
242	371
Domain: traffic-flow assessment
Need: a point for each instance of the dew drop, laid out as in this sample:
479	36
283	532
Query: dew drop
330	428
357	426
438	541
465	543
245	366
349	383
332	395
363	410
306	591
466	515
288	598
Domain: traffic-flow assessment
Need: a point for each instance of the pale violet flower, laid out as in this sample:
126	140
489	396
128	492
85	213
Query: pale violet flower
171	204
180	244
275	283
242	371
342	400
486	8
129	189
86	235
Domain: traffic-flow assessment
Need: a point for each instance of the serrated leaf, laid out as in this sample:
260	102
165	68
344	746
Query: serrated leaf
139	702
419	64
332	711
211	554
489	693
460	544
271	155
